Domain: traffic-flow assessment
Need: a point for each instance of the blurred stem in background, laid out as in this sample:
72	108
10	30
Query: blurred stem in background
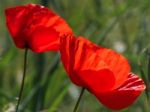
41	83
39	67
49	75
145	75
122	25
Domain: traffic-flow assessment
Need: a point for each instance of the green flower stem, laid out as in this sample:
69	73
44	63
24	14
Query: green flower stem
79	99
23	79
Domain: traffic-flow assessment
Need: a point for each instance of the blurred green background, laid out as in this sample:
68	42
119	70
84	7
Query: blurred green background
122	25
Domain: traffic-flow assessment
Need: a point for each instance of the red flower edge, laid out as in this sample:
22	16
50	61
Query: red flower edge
123	96
36	27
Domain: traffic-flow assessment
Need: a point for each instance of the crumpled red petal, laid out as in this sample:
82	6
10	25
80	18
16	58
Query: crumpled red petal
91	66
123	96
25	21
67	50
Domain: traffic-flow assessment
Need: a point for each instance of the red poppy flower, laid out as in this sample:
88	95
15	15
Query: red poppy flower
35	27
123	96
98	69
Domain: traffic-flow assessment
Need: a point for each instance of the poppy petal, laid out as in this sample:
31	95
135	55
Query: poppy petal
15	19
117	63
23	21
92	58
102	80
67	49
123	96
91	66
47	44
